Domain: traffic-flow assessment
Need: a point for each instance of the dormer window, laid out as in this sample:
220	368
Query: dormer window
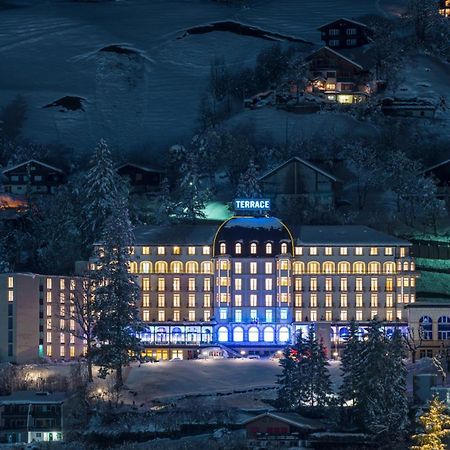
283	248
238	248
269	248
222	248
253	248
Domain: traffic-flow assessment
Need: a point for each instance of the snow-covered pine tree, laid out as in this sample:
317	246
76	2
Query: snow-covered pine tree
115	297
248	186
102	187
435	425
193	196
352	371
165	206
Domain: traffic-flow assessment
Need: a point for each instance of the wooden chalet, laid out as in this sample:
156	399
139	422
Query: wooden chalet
142	179
32	177
338	77
345	33
297	178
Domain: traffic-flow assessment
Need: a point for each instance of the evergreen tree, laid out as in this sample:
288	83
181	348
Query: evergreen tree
305	380
248	186
436	427
115	298
193	196
102	187
5	266
165	207
352	372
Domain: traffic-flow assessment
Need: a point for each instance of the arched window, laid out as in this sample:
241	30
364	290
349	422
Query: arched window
313	267
328	267
343	333
145	267
399	266
207	337
374	267
222	248
359	267
284	248
405	266
426	325
412	266
222	334
444	328
176	267
298	267
132	267
161	335
238	248
269	334
268	248
253	248
238	334
191	336
389	267
176	335
192	267
343	267
283	334
161	267
253	334
206	267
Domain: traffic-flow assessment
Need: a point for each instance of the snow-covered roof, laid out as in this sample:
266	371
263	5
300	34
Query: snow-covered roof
351	235
301	161
355	22
290	418
338	54
180	234
25	397
139	166
48	166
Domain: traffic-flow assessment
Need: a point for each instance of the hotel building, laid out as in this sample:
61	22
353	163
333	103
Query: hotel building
246	286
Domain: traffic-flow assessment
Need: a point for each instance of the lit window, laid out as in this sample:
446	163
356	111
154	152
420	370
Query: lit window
176	300
374	300
328	267
49	283
146	300
328	251
374	284
269	317
146	315
207	301
10	296
238	267
299	251
206	250
238	248
161	284
191	250
313	284
284	248
268	284
389	301
299	267
373	314
253	300
238	284
328	316
314	316
253	248
253	314
284	281
284	297
268	299
191	284
284	264
161	316
238	315
298	284
388	251
222	248
176	250
49	296
359	301
374	251
344	301
176	316
313	250
402	252
161	301
343	251
238	300
283	314
253	284
268	267
313	267
313	301
10	282
223	314
358	284
269	248
298	316
253	267
344	284
207	284
343	316
358	251
359	316
191	316
399	314
389	285
328	300
161	250
145	284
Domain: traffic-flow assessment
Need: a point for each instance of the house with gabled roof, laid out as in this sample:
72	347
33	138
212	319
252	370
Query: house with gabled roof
32	177
297	179
345	33
340	76
141	178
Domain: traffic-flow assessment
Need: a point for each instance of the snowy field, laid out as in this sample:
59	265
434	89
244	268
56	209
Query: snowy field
52	49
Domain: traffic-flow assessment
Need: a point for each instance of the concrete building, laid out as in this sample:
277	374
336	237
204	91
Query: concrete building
36	314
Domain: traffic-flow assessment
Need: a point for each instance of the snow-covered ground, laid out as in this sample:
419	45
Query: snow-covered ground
51	49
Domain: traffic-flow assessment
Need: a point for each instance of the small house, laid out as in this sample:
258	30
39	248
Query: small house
345	33
32	416
142	179
32	177
408	108
297	178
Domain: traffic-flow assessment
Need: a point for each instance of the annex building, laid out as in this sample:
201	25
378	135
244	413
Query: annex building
247	286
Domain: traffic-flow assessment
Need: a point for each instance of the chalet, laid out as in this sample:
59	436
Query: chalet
32	177
297	178
345	33
338	77
279	429
444	8
142	179
441	174
32	416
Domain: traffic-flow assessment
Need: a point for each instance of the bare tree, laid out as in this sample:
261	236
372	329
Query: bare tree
413	340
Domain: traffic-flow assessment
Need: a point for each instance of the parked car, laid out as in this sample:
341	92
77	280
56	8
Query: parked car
254	357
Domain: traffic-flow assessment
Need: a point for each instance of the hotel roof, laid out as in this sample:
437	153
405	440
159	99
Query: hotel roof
180	234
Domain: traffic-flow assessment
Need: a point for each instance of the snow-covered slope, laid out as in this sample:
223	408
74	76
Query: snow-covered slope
151	94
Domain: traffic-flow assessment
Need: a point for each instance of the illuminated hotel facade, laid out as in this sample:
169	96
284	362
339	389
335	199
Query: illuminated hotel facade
246	286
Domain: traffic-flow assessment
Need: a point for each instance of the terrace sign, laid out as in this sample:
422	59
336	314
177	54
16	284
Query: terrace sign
252	204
